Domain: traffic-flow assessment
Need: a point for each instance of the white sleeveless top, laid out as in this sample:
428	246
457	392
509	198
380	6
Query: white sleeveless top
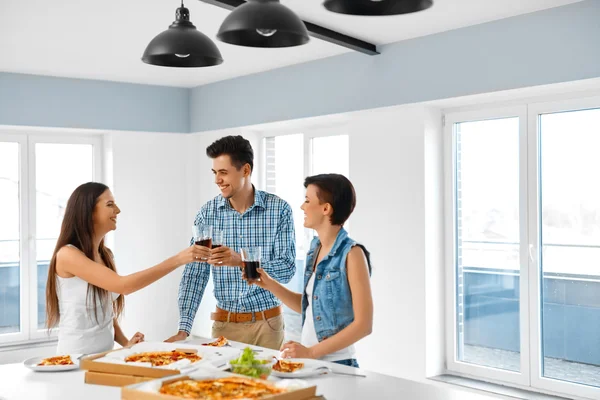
309	333
78	330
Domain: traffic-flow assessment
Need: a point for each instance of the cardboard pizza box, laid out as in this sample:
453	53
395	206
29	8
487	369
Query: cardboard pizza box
101	378
113	374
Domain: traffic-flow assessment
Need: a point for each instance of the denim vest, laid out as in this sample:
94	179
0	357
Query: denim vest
332	300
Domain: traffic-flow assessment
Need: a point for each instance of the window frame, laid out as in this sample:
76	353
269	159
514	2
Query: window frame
27	139
307	136
530	376
24	279
452	362
307	156
537	380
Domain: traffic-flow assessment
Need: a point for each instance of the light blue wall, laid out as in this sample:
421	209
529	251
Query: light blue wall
555	45
77	103
551	46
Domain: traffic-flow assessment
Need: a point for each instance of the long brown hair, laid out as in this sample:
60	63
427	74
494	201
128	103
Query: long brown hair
77	229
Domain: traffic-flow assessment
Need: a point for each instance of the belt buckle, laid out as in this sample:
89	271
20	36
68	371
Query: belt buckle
253	316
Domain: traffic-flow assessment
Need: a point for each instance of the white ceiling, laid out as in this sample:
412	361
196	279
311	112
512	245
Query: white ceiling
105	39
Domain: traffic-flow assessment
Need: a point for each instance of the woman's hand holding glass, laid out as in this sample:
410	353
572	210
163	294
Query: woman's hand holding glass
194	253
265	281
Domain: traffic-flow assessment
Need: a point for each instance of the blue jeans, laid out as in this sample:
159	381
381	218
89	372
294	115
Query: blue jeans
351	362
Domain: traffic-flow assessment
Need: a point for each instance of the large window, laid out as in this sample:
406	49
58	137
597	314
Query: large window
10	234
524	219
287	160
37	176
487	232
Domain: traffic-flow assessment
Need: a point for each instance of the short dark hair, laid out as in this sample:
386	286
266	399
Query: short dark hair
236	147
336	190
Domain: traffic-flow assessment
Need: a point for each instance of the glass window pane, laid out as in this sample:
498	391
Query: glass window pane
10	257
570	243
284	175
487	240
60	168
331	155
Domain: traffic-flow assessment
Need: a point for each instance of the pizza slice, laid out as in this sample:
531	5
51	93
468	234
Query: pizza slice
58	360
287	366
220	342
160	358
221	389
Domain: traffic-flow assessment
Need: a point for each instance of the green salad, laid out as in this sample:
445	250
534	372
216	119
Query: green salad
250	366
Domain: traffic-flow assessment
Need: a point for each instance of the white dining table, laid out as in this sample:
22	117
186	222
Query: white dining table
17	382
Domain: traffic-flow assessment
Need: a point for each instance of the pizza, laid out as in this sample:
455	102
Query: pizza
220	342
220	389
287	366
58	360
158	358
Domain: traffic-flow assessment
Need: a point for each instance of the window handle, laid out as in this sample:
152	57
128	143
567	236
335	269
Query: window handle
531	253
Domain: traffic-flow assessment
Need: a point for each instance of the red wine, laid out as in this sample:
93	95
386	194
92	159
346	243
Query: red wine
204	242
250	270
216	246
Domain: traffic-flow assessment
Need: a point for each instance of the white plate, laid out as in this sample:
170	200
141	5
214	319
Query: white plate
310	369
290	384
32	364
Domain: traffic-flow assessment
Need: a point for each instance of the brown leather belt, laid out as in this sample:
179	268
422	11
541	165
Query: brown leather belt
226	316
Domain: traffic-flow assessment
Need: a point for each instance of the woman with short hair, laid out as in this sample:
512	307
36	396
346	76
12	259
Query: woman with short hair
336	305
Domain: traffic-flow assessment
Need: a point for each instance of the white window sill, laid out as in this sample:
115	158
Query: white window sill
494	388
29	344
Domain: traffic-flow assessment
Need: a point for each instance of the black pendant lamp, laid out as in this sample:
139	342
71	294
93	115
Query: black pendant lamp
182	46
263	23
377	7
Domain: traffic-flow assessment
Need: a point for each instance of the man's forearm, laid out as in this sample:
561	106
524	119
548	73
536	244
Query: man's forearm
185	325
187	312
191	290
281	270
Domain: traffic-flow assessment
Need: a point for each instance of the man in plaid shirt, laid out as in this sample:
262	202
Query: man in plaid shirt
249	218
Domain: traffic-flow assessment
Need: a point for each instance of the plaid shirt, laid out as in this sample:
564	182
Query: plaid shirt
268	224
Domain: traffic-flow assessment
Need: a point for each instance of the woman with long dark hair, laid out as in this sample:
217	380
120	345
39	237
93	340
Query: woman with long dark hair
84	293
